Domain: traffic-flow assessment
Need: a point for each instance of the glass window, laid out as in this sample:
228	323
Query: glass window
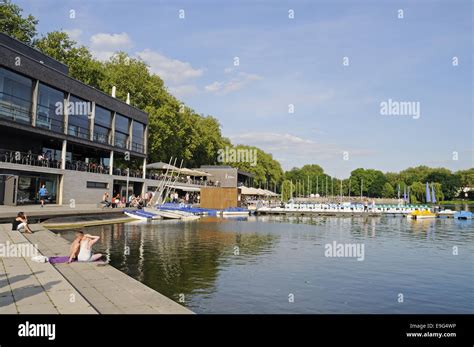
29	185
103	117
101	134
103	124
50	109
122	124
101	185
121	130
121	140
15	96
79	112
138	136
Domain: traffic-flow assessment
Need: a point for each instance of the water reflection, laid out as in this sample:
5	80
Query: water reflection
250	265
177	257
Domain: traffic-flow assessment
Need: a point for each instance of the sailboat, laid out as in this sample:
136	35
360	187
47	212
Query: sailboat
428	195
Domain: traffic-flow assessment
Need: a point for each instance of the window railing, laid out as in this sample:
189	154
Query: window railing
46	122
78	131
28	158
137	147
121	143
22	114
78	165
182	179
44	160
132	172
102	138
14	111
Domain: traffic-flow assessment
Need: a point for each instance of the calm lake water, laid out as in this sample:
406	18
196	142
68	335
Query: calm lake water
278	264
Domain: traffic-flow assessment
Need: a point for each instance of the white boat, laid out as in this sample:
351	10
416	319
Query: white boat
168	214
171	214
142	215
235	213
446	213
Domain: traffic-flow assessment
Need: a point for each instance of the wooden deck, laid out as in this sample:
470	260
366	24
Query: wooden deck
29	287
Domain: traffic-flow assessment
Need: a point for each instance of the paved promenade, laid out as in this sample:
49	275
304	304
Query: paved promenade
50	211
30	287
97	288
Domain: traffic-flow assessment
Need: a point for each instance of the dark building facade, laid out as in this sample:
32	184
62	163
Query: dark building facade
59	132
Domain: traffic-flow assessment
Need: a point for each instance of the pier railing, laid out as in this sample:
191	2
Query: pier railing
185	180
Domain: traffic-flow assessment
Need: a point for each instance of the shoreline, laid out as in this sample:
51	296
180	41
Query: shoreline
47	288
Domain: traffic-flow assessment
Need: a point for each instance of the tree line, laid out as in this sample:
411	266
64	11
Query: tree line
447	185
176	130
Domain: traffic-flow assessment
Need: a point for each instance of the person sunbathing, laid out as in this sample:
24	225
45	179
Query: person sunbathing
81	248
75	246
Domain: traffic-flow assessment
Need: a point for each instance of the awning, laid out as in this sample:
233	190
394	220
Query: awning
270	193
249	191
161	166
195	173
254	191
184	188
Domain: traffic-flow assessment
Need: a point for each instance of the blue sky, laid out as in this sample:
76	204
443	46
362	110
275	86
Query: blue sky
299	61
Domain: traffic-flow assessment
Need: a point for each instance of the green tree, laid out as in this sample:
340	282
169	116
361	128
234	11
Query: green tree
450	183
388	191
466	178
287	189
82	65
417	192
14	24
311	174
267	171
415	174
376	183
438	192
370	181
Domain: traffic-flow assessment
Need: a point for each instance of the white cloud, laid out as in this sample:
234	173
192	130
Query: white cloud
172	71
237	82
285	146
213	87
74	34
184	90
104	45
111	42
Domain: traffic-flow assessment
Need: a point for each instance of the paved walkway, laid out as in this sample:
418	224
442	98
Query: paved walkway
56	210
30	287
105	288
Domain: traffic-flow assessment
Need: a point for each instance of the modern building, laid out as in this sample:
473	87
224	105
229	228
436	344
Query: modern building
59	132
228	176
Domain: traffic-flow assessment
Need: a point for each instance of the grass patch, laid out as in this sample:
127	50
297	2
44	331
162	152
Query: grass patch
457	202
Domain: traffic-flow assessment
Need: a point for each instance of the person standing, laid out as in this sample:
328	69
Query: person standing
43	193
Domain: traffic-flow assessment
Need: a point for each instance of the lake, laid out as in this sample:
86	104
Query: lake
279	264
